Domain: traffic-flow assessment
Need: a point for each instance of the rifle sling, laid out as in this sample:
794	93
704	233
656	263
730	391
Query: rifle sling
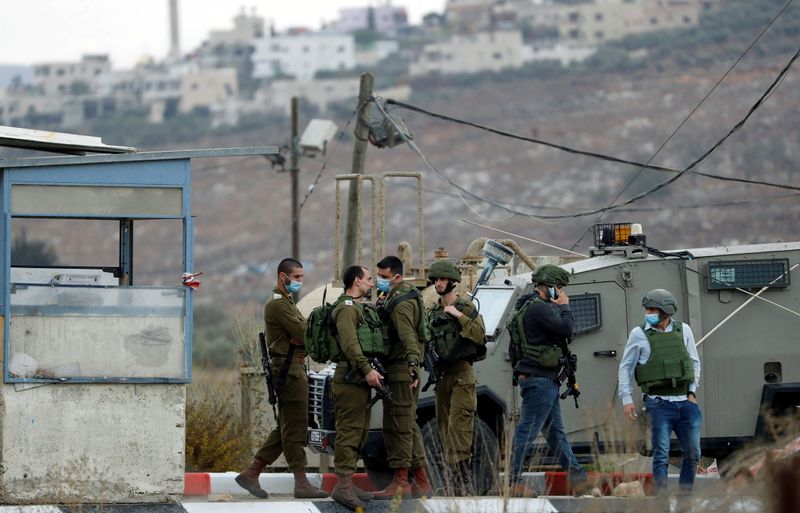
281	381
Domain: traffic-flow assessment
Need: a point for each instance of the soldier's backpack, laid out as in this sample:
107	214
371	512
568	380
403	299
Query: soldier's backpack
320	339
422	326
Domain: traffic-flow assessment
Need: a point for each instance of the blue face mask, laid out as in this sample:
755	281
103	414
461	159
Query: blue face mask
384	285
294	287
652	319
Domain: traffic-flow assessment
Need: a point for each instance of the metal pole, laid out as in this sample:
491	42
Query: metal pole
294	171
359	156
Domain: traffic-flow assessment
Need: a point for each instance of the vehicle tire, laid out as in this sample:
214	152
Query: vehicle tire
485	457
377	469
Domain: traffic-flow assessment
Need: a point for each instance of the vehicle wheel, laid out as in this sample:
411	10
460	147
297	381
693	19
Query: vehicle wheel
485	457
377	469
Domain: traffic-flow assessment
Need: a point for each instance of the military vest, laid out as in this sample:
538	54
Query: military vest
445	333
370	330
669	370
423	333
546	356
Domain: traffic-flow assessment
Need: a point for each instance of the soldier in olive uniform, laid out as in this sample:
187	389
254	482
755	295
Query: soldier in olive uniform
358	338
404	316
285	326
457	332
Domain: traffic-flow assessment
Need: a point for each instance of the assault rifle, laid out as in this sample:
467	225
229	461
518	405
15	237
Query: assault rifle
382	392
568	373
432	363
265	365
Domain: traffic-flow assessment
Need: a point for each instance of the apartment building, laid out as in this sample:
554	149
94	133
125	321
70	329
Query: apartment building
302	55
472	53
71	78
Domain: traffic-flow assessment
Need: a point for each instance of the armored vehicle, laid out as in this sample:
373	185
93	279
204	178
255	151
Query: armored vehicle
737	300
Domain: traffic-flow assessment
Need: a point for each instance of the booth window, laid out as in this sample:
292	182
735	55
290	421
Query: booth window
81	309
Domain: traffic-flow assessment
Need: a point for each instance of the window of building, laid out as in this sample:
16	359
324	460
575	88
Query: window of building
687	20
598	16
599	34
573	17
654	21
497	56
574	34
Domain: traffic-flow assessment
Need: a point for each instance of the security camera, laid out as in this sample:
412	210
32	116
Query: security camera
316	135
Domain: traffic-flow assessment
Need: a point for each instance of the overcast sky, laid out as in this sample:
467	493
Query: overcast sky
34	31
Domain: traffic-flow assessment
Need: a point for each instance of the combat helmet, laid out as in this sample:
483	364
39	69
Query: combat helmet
550	275
444	269
661	299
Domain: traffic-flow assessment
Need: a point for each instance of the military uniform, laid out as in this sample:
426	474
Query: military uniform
456	399
285	326
401	433
359	334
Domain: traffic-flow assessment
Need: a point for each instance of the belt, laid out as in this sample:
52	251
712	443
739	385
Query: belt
298	358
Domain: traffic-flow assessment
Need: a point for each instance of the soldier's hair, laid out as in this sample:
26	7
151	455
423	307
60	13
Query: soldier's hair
394	264
288	265
350	275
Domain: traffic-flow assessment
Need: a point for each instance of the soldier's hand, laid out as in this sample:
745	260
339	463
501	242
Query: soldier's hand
630	411
562	299
414	372
452	310
373	378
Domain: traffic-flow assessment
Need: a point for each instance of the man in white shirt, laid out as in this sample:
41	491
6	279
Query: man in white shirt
661	354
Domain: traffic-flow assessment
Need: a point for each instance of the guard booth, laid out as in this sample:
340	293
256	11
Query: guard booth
95	363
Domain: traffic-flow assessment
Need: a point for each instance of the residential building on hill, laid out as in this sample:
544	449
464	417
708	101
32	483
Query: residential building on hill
302	55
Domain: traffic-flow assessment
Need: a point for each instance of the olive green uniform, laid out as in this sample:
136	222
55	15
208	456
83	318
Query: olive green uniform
350	398
456	399
401	434
285	325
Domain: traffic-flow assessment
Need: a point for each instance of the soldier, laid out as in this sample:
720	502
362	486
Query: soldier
285	326
404	316
457	332
548	323
670	400
360	335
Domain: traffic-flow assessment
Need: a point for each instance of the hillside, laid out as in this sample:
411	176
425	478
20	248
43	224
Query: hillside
242	205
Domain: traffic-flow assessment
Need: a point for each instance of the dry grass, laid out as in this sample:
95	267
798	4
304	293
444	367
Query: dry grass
217	437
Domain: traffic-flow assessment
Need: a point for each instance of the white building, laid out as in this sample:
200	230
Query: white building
63	78
484	51
303	55
370	54
386	19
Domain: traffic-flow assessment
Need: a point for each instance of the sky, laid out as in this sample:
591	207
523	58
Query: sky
33	31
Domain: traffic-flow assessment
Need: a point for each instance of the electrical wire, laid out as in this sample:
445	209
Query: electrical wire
686	119
309	192
689	169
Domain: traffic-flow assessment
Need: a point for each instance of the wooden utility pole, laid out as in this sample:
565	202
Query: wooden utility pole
359	156
295	171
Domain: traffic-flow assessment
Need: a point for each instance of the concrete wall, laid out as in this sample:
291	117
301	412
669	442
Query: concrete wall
94	443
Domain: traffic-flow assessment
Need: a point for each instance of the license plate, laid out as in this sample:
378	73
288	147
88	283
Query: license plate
316	436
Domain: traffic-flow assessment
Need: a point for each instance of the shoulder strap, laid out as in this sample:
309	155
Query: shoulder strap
413	293
462	303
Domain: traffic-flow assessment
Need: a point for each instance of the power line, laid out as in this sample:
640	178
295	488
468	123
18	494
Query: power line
686	119
689	169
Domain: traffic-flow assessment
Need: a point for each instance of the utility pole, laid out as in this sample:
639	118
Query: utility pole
295	171
359	156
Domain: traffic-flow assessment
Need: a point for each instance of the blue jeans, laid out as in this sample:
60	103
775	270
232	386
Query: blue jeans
684	418
541	411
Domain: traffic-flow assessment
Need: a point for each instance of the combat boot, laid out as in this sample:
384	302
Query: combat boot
248	478
344	493
420	485
398	486
305	490
362	495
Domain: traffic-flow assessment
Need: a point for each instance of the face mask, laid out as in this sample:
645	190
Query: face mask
293	287
652	319
384	285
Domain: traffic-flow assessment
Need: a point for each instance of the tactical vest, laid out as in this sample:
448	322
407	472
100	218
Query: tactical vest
546	356
669	370
370	331
445	333
423	333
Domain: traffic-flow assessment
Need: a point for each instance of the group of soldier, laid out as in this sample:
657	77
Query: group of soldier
398	323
